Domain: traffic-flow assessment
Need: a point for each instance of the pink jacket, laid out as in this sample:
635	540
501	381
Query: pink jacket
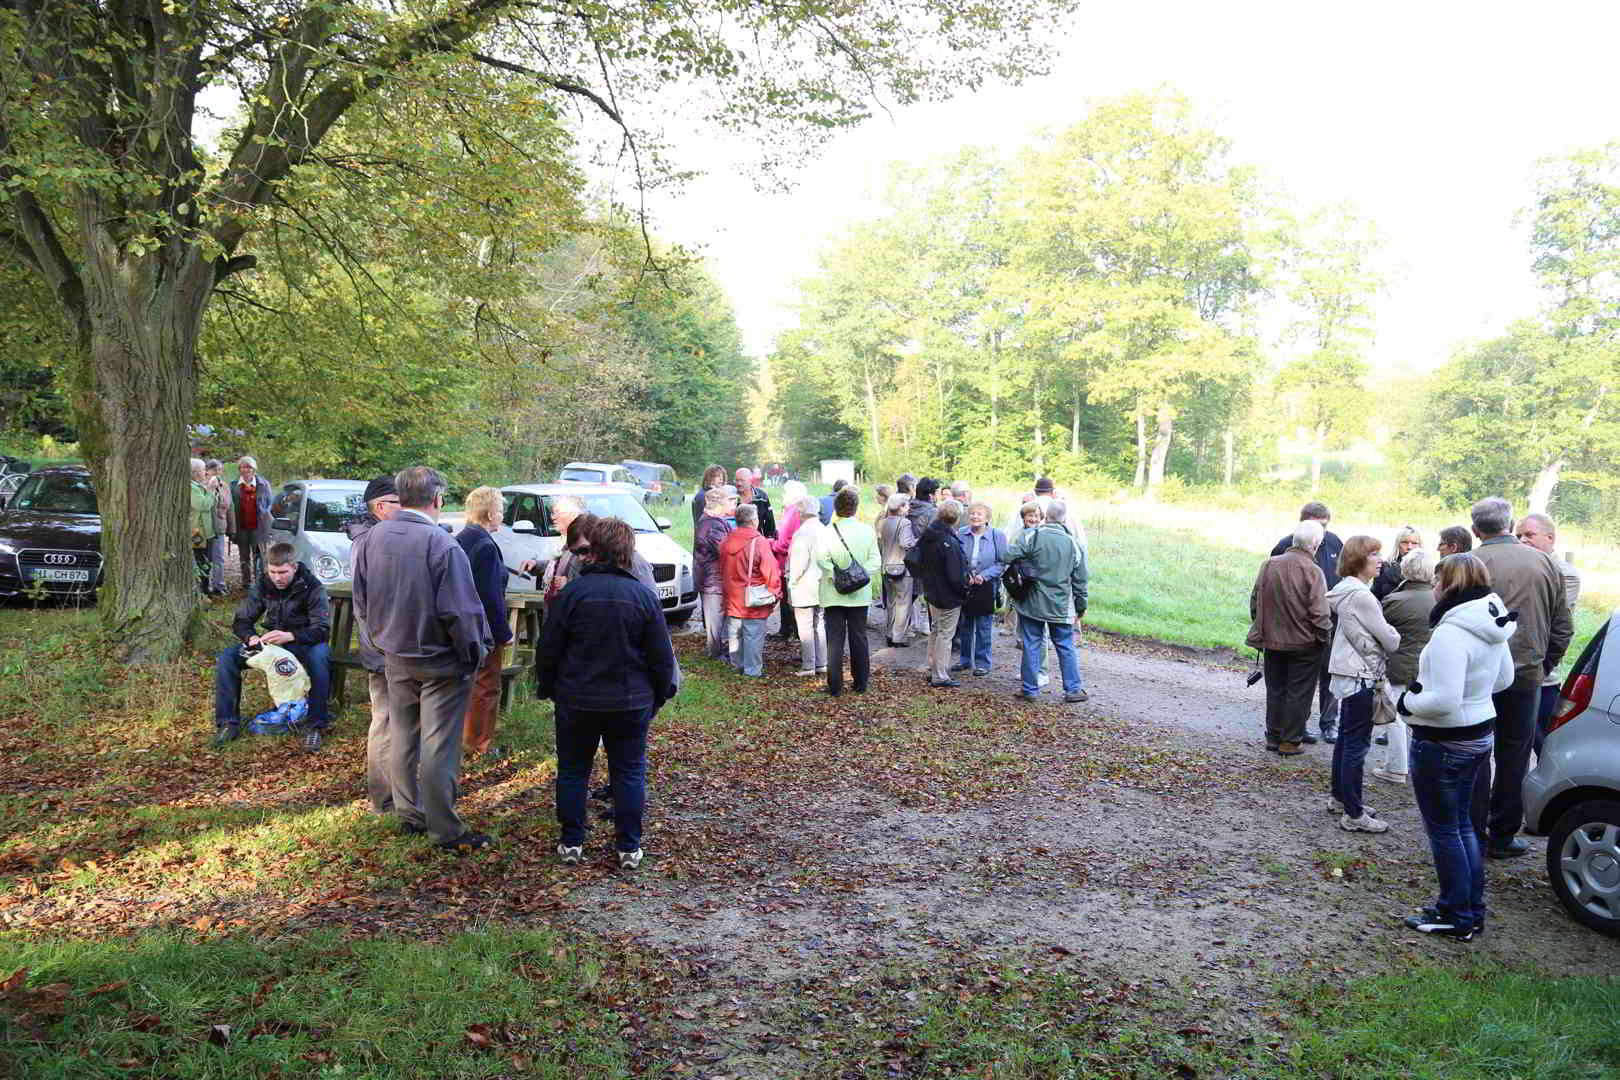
784	534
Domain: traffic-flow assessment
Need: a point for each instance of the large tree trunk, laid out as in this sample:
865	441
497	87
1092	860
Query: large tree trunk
1541	492
1161	447
1141	450
138	381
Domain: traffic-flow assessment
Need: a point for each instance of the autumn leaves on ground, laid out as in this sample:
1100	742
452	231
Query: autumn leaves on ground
166	910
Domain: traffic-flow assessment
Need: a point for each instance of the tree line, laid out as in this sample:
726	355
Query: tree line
1123	301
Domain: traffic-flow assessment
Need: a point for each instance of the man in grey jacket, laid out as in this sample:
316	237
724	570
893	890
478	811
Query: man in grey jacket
1530	583
413	588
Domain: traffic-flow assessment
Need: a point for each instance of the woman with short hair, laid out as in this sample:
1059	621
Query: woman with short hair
844	542
1362	640
486	509
1407	610
803	585
606	663
983	552
204	502
214	480
1408	540
895	537
714	476
1449	709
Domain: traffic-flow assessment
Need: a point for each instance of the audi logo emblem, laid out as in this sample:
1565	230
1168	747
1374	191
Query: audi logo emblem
60	560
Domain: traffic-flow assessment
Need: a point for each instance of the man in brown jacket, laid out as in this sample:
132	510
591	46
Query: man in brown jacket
1529	582
1291	625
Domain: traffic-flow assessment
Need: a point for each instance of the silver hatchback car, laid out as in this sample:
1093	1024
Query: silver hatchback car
1572	797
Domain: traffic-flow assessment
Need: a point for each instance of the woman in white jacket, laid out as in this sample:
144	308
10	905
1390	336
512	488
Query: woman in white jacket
803	585
1362	642
1452	720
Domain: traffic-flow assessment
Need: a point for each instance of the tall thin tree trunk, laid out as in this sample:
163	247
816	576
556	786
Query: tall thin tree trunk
1141	449
1318	446
1541	492
1074	426
134	399
1040	428
871	412
995	391
1231	456
1161	447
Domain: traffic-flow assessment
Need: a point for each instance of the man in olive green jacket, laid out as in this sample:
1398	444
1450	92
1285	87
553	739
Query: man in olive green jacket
1055	566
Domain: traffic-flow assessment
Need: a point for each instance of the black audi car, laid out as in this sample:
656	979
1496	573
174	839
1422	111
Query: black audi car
50	535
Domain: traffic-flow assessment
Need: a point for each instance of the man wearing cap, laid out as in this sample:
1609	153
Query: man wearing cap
382	503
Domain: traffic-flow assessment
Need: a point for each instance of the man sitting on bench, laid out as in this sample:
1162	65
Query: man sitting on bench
297	616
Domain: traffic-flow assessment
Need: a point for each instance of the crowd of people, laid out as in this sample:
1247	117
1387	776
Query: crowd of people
1449	654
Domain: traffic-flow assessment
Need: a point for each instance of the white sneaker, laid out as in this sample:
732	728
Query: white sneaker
805	671
629	860
1334	806
1365	823
1042	679
570	855
1391	777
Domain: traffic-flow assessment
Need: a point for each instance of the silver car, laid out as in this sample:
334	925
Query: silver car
312	516
1572	797
529	534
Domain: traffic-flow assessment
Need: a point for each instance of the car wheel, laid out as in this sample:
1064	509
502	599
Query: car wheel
1583	864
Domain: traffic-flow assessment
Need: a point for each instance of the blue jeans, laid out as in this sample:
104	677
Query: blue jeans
317	661
1350	752
975	632
1034	632
748	639
1443	782
624	736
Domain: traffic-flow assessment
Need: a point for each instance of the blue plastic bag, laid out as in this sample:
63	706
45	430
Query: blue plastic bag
284	719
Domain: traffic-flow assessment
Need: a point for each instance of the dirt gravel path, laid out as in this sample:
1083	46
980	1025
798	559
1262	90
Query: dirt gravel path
1209	874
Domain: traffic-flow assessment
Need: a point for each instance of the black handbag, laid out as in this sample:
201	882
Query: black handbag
851	578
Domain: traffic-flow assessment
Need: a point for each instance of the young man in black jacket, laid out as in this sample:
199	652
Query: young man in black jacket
297	616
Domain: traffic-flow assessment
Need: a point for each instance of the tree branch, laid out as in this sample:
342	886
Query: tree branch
556	83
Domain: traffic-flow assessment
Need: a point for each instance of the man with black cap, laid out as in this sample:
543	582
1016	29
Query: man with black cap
382	503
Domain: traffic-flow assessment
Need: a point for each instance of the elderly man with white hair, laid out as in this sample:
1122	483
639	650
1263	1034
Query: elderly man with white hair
250	518
1291	625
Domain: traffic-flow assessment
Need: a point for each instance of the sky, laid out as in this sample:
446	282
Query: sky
1427	117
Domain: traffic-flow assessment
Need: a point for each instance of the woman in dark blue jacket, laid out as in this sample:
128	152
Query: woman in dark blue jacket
606	663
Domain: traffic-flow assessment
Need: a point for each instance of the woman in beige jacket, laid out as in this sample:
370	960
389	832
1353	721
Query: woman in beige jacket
1362	643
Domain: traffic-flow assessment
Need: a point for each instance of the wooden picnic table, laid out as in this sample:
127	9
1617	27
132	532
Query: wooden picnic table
524	614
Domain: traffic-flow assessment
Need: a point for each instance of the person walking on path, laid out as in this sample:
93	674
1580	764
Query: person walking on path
485	511
711	533
250	518
1327	557
803	586
413	587
1407	610
1291	626
1055	566
895	540
939	567
752	580
1451	711
1530	583
1362	640
605	661
1539	531
984	550
381	500
844	542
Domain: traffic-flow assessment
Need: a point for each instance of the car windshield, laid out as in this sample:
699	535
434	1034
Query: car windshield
56	493
653	474
330	509
626	507
588	476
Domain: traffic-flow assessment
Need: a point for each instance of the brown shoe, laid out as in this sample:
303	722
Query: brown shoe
1289	749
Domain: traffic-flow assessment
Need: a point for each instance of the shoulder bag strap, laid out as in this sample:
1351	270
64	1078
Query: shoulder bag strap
751	544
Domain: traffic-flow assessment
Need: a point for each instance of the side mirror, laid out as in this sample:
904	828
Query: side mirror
524	526
285	524
664	524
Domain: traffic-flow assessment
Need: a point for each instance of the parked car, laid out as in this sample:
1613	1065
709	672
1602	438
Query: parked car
311	515
662	485
13	471
597	472
528	533
1572	796
50	535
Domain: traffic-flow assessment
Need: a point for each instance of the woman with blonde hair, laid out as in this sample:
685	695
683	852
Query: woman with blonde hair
1407	610
486	509
1453	721
1408	540
1362	642
802	582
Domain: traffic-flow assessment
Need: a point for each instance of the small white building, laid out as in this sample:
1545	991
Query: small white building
834	469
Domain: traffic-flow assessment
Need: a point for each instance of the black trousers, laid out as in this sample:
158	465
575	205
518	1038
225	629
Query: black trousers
846	624
1327	708
1290	679
1498	808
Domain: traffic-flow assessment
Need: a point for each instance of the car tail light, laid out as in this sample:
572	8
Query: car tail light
1572	701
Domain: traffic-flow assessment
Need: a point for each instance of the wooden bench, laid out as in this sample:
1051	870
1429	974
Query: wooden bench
524	613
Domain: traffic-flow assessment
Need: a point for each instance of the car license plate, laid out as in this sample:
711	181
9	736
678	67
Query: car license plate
666	592
52	573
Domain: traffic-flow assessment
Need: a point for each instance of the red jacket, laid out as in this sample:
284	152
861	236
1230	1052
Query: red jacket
734	559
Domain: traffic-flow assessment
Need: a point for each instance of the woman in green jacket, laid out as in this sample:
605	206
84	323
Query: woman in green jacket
845	541
203	528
